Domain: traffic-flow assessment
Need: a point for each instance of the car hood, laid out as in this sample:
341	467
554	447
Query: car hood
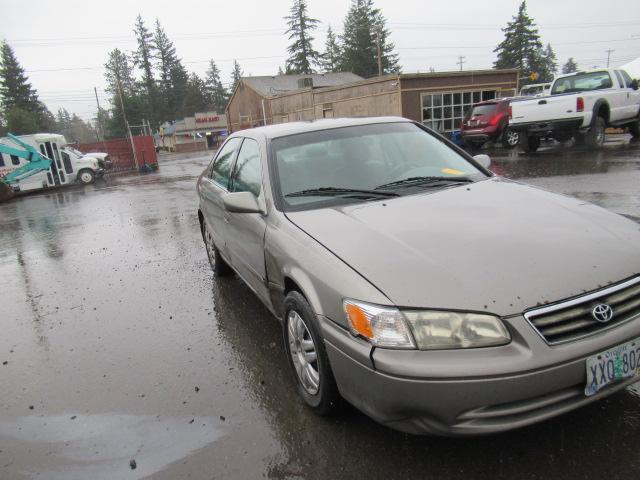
495	245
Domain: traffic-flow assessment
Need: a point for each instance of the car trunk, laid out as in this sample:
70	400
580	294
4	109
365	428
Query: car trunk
481	115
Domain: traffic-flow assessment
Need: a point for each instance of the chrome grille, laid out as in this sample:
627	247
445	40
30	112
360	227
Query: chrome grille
572	319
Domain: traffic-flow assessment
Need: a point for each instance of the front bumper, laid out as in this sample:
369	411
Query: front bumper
471	392
99	172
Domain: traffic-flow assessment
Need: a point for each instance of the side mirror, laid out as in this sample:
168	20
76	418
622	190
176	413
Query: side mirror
483	160
634	84
241	202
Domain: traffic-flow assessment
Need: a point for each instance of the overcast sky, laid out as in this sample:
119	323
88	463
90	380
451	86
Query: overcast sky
63	44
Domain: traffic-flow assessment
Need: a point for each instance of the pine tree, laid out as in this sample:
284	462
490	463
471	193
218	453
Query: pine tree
236	75
301	53
362	25
195	99
331	56
121	84
216	92
143	59
521	47
570	67
173	75
23	112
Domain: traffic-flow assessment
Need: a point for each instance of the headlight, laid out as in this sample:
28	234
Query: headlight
424	329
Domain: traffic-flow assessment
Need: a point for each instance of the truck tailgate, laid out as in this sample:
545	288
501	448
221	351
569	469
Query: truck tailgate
542	109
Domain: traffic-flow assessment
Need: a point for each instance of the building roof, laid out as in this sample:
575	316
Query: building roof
293	128
273	85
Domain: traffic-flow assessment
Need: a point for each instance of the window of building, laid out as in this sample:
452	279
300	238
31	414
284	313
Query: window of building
444	111
247	176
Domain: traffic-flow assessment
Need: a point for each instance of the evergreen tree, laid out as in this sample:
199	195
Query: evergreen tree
236	75
570	67
217	94
551	62
143	59
301	53
331	56
173	75
521	47
120	82
196	98
23	112
362	26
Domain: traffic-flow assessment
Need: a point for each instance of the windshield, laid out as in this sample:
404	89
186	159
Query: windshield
582	82
314	169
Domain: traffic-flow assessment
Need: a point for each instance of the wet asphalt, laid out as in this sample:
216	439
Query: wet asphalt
119	350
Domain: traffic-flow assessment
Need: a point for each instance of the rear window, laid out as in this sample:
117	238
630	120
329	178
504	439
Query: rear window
486	109
582	82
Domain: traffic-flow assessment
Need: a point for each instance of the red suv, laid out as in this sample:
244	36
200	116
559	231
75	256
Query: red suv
488	121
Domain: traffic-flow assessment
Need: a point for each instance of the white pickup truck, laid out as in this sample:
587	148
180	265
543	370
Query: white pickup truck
581	105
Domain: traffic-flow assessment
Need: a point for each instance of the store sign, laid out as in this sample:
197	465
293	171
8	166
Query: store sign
208	119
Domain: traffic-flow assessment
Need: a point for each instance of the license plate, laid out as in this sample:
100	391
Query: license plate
612	365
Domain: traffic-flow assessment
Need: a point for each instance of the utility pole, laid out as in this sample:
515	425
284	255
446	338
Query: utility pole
379	50
461	61
99	118
609	52
126	122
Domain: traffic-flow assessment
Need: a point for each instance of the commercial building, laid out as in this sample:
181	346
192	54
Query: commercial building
203	131
437	99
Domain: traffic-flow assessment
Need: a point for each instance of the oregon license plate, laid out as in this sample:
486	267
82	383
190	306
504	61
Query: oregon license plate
612	365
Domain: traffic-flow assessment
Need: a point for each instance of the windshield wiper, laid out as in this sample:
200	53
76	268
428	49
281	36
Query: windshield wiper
338	191
411	181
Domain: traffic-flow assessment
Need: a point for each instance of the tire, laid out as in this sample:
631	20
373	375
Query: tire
86	176
510	138
308	358
634	129
528	143
219	266
594	138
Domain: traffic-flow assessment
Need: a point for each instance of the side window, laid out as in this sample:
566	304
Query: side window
247	176
66	160
221	170
15	160
627	78
620	80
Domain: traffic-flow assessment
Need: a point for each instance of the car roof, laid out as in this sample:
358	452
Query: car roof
293	128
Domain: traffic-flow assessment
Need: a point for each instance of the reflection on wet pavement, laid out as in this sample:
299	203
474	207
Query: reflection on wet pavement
118	341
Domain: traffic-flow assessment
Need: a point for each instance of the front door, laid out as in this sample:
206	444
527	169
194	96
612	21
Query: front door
246	230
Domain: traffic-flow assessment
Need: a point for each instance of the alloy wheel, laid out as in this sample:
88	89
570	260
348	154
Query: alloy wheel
303	353
210	246
512	138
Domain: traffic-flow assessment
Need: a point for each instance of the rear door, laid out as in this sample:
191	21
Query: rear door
246	231
632	100
214	185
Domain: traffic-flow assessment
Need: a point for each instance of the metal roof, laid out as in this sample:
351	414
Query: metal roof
274	85
293	128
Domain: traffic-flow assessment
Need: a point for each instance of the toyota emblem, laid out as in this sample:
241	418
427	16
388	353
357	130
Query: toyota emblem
602	313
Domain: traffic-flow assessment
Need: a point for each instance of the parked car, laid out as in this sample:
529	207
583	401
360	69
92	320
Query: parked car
581	105
488	121
536	90
415	284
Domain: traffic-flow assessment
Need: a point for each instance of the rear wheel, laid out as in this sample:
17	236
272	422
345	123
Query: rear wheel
307	356
86	176
510	138
529	143
594	138
218	265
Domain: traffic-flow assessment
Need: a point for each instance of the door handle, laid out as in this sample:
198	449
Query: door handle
542	102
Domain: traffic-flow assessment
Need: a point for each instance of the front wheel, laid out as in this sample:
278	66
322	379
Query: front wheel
307	356
86	176
594	138
528	143
510	139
